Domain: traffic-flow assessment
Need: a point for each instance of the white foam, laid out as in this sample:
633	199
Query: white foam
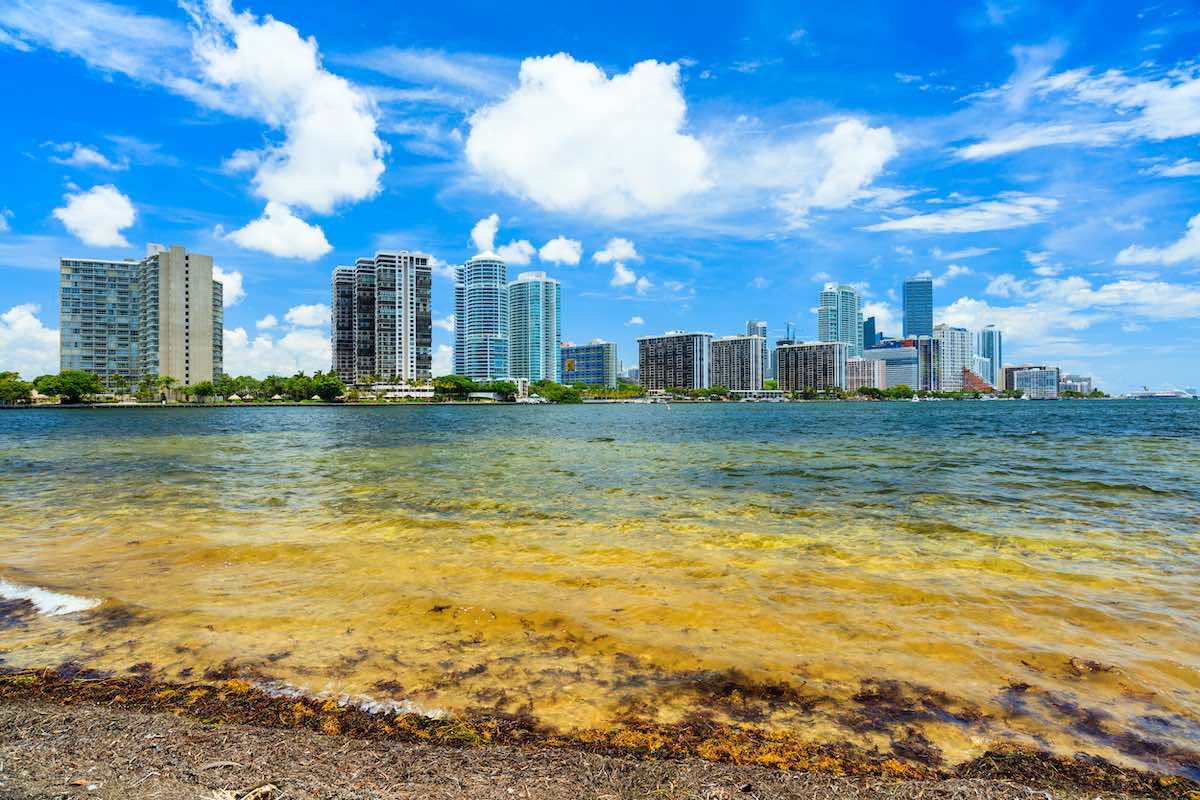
47	603
370	705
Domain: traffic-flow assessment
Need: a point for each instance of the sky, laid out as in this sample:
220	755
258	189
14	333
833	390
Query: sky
675	165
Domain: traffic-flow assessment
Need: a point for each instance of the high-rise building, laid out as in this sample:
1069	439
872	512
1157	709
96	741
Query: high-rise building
481	318
737	362
594	363
918	307
955	353
161	316
789	337
534	327
758	327
677	359
839	317
1008	374
865	373
1037	383
989	343
1075	383
870	336
381	322
914	363
818	366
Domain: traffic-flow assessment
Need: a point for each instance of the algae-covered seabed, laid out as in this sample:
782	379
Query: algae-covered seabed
924	580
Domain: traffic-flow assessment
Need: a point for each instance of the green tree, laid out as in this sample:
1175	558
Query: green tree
145	388
273	385
13	390
555	392
506	389
327	386
203	390
226	386
458	386
299	386
166	385
70	385
770	384
119	385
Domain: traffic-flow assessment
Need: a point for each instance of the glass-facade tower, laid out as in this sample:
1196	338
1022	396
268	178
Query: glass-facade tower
481	319
918	307
535	327
839	318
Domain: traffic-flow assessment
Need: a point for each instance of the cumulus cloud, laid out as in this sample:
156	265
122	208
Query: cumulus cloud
231	286
887	319
635	320
281	233
643	285
852	155
98	216
518	253
1009	210
26	345
74	154
622	275
617	249
952	272
440	268
561	250
330	152
483	234
267	323
445	323
1182	168
443	360
304	349
570	138
1186	249
313	315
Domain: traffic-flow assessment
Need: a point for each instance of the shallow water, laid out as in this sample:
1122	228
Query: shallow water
970	571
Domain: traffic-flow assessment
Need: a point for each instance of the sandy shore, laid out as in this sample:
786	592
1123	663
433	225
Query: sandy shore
66	738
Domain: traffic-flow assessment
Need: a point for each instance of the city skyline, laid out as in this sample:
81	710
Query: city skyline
1019	156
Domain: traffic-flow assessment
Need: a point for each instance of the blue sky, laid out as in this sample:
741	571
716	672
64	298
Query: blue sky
675	166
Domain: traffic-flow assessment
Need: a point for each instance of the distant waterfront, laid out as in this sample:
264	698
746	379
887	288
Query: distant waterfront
971	572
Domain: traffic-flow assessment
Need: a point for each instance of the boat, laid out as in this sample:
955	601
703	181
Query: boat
1166	394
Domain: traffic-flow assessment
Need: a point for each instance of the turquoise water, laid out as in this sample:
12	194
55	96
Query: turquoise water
974	572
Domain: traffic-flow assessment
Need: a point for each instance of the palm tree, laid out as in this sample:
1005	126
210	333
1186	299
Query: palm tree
166	384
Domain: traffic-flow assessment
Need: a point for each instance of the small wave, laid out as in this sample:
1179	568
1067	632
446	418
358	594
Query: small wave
47	603
371	705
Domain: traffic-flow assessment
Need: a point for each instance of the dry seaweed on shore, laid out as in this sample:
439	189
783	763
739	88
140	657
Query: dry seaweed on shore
239	702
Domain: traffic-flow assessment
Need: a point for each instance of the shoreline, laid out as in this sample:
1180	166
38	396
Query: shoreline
737	752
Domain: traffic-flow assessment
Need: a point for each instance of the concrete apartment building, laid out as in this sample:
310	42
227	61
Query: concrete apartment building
737	362
867	373
812	365
160	316
594	363
675	359
912	362
955	353
758	327
1037	383
535	328
381	321
839	317
481	319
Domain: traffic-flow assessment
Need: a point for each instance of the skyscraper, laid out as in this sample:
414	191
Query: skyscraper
594	363
534	327
675	359
869	336
381	324
1037	383
162	316
918	307
812	365
839	317
955	354
990	344
758	327
737	362
481	318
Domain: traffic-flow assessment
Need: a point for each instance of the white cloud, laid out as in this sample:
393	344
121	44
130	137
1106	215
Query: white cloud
1132	327
617	249
4	215
821	277
643	285
313	315
267	323
474	74
759	282
906	77
561	250
1183	168
445	323
440	268
443	360
635	320
98	216
887	319
232	292
852	155
1009	210
952	272
281	233
797	35
570	138
1094	109
80	155
264	69
958	255
622	275
304	349
483	234
1186	249
518	253
26	345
